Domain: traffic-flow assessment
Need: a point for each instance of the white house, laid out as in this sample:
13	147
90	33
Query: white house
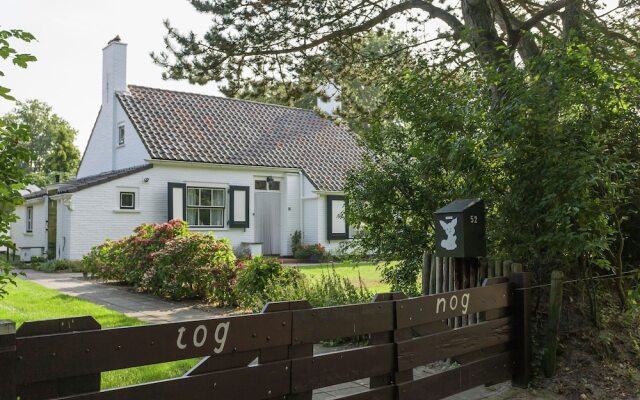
252	172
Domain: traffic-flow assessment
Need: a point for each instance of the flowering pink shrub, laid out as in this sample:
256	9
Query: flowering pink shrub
168	260
313	252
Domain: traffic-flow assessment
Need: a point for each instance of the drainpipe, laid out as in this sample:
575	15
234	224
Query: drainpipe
301	197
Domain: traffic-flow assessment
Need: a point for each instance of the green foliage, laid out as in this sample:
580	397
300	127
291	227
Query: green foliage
57	266
14	152
8	52
193	266
310	252
330	289
296	240
556	159
259	272
168	260
7	277
51	142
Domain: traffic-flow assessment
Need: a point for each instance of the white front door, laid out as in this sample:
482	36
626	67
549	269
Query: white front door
267	210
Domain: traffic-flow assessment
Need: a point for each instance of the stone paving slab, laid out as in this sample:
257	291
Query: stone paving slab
152	309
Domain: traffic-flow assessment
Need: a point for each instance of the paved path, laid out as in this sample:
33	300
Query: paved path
146	307
151	309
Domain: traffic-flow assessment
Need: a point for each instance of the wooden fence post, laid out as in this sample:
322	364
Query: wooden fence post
553	324
290	351
7	359
426	272
521	282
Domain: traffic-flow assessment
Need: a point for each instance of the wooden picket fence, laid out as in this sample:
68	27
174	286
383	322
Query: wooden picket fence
270	355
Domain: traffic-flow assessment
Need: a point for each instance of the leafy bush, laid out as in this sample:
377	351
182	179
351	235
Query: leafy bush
168	260
258	272
311	252
59	265
194	266
296	240
330	289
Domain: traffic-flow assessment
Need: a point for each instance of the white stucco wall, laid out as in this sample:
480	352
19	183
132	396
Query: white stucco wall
95	214
35	242
133	152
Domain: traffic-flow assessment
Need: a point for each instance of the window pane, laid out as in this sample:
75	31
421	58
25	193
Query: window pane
274	185
204	218
218	198
192	197
217	217
205	197
127	200
261	185
192	216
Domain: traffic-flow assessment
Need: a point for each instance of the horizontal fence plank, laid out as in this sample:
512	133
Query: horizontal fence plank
439	346
311	326
249	383
424	309
382	393
489	370
79	353
343	366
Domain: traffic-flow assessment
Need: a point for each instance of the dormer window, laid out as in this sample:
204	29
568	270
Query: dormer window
121	135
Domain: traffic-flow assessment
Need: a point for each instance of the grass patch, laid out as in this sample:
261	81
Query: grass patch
353	271
30	301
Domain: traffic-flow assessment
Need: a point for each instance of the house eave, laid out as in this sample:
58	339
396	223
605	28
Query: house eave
220	165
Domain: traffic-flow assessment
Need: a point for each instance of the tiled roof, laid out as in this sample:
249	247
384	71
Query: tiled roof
191	127
75	185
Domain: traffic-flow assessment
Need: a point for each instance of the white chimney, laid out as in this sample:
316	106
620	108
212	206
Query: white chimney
114	69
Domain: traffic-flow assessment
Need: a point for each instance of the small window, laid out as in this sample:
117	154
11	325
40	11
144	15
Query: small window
274	185
30	219
127	200
121	135
205	207
267	184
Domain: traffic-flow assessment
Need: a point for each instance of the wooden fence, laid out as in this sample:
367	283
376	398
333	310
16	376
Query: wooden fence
270	355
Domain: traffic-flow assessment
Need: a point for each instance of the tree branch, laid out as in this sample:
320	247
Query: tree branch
434	11
544	13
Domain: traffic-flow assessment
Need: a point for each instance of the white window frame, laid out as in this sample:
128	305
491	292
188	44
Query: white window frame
29	219
200	207
122	207
121	135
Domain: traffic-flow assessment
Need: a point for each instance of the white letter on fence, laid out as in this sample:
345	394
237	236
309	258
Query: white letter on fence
444	305
451	305
465	303
196	342
181	345
224	329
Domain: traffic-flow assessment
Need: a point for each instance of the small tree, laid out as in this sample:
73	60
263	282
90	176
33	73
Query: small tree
51	142
14	152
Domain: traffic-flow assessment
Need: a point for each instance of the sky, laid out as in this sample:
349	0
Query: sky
70	36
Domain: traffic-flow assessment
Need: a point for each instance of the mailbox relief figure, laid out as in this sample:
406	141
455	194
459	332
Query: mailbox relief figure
450	229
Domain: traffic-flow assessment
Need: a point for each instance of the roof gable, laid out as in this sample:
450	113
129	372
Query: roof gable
192	127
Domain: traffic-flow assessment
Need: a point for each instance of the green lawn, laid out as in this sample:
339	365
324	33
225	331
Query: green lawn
365	271
29	301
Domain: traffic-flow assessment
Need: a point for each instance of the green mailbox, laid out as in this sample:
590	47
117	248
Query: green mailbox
460	229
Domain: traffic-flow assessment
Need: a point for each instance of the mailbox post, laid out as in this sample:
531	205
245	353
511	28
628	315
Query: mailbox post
460	229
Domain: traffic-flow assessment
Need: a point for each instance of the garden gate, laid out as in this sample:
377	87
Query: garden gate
270	355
